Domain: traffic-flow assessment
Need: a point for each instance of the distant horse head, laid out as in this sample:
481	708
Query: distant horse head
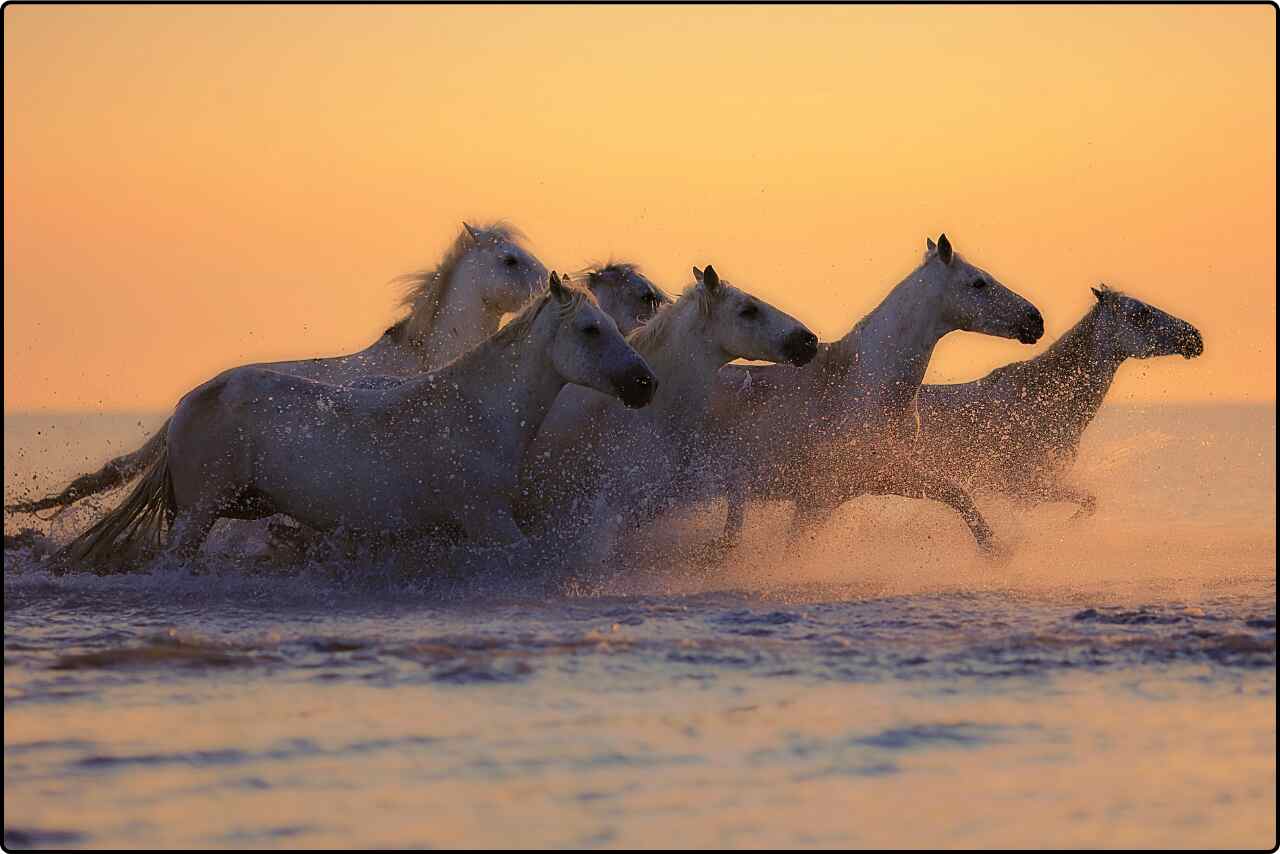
746	327
587	348
1131	327
485	272
625	293
974	301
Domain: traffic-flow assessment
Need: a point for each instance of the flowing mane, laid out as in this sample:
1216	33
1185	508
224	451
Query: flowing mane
620	271
424	290
651	335
520	325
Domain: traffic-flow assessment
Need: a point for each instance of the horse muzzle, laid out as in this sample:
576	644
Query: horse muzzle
1030	329
800	347
636	388
1192	344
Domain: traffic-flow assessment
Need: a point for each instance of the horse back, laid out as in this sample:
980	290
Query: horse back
1006	428
383	359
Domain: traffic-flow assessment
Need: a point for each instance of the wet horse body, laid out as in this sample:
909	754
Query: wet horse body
443	449
846	424
1018	429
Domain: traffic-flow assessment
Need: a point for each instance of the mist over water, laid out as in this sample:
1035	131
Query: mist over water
1108	681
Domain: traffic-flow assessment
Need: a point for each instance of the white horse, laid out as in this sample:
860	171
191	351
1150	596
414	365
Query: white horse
613	462
485	275
439	451
625	293
845	425
1017	430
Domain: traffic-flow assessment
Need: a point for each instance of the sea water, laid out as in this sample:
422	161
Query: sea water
1109	681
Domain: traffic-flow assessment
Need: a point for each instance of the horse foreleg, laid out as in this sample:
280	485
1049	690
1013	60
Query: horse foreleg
958	498
914	481
735	518
810	514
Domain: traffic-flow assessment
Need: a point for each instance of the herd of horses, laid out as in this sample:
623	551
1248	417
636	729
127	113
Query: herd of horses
604	403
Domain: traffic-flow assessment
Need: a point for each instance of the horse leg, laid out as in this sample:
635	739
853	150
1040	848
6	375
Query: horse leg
735	517
189	531
810	513
734	521
914	481
1087	500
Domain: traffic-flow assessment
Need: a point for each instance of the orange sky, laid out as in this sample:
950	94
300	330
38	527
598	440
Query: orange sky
188	188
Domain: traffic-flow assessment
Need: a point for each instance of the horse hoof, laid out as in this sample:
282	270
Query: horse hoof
995	551
1087	509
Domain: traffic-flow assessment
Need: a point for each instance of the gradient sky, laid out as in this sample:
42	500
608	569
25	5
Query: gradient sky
189	188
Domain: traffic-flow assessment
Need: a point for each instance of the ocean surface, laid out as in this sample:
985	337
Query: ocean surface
1109	682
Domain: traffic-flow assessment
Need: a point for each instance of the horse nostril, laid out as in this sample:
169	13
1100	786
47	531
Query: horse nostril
800	346
638	386
1195	345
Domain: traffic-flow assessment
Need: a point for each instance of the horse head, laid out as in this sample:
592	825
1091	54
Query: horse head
588	349
625	294
1131	327
746	327
974	301
497	268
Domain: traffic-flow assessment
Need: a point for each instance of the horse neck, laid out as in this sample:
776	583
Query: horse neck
512	382
685	362
1075	372
891	347
461	321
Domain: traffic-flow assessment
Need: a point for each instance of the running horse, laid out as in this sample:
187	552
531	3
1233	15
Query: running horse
845	424
1018	429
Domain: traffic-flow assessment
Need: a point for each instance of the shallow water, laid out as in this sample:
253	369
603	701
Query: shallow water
1110	683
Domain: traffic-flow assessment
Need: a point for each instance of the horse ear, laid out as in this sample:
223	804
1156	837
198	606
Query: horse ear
710	279
474	232
697	275
557	289
1099	295
929	245
944	249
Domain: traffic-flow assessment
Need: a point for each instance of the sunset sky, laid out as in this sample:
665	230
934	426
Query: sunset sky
190	188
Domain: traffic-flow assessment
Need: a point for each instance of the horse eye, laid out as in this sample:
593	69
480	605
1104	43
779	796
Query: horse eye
511	260
591	330
749	311
979	283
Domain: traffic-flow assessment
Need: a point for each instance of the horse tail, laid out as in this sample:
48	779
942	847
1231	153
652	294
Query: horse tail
139	521
119	471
